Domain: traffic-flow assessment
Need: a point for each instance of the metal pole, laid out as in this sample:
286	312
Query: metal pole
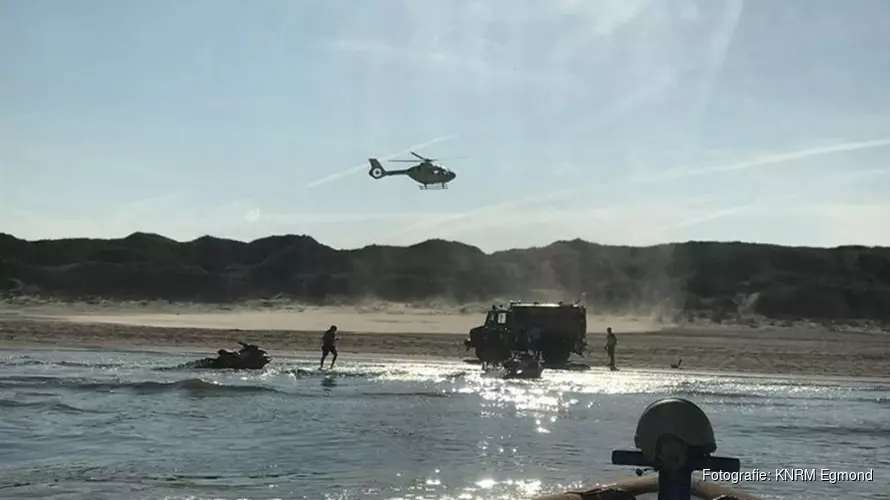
675	484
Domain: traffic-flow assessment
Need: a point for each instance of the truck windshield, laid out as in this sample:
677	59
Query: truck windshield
496	318
492	318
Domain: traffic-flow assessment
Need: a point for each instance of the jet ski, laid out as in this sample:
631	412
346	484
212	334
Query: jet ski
249	357
522	366
674	438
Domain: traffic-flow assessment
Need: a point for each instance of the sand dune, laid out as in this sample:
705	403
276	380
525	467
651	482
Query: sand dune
710	280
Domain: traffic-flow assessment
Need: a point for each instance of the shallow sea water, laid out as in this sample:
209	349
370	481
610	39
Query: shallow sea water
129	425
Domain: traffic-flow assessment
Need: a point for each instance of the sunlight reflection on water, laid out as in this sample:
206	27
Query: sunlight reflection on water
102	423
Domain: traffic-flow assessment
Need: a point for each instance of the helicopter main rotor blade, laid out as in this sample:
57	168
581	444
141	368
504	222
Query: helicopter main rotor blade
403	161
421	157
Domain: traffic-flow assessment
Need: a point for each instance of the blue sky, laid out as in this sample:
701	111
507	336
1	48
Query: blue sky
619	121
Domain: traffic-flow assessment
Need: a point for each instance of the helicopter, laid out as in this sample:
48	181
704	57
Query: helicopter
426	173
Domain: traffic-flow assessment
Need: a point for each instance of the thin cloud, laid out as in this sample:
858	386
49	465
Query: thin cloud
122	218
381	49
357	168
152	202
710	215
653	221
676	173
456	62
825	186
577	219
716	56
638	97
865	212
606	16
651	90
770	159
327	218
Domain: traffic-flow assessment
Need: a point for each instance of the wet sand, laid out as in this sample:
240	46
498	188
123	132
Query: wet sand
406	331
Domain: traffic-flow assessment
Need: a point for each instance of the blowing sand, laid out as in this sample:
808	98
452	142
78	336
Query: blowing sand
401	330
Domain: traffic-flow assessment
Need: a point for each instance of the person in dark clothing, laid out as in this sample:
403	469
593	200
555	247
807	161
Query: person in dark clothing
247	350
522	341
328	346
535	335
611	342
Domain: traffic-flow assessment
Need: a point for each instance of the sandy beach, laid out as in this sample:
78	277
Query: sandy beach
430	331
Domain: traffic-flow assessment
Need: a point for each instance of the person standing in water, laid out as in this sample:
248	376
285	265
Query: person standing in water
327	346
534	336
611	342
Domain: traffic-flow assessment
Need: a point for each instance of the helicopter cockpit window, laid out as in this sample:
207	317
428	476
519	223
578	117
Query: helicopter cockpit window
502	318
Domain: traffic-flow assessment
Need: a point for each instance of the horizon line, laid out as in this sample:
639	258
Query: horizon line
531	247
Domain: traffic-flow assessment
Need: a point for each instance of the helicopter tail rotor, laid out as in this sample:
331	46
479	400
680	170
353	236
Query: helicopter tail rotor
377	171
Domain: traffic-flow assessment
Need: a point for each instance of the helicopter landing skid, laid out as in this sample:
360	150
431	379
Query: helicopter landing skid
425	187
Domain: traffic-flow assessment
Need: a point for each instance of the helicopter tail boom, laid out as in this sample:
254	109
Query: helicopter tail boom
378	172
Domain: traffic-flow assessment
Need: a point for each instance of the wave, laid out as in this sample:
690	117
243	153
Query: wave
823	431
297	372
192	385
304	373
777	391
44	405
415	394
368	374
67	364
740	398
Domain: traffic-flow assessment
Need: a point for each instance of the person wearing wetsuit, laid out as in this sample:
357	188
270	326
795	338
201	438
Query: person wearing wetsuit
611	342
328	347
522	341
535	341
247	350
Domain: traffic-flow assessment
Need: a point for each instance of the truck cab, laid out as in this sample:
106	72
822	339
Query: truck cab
496	318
